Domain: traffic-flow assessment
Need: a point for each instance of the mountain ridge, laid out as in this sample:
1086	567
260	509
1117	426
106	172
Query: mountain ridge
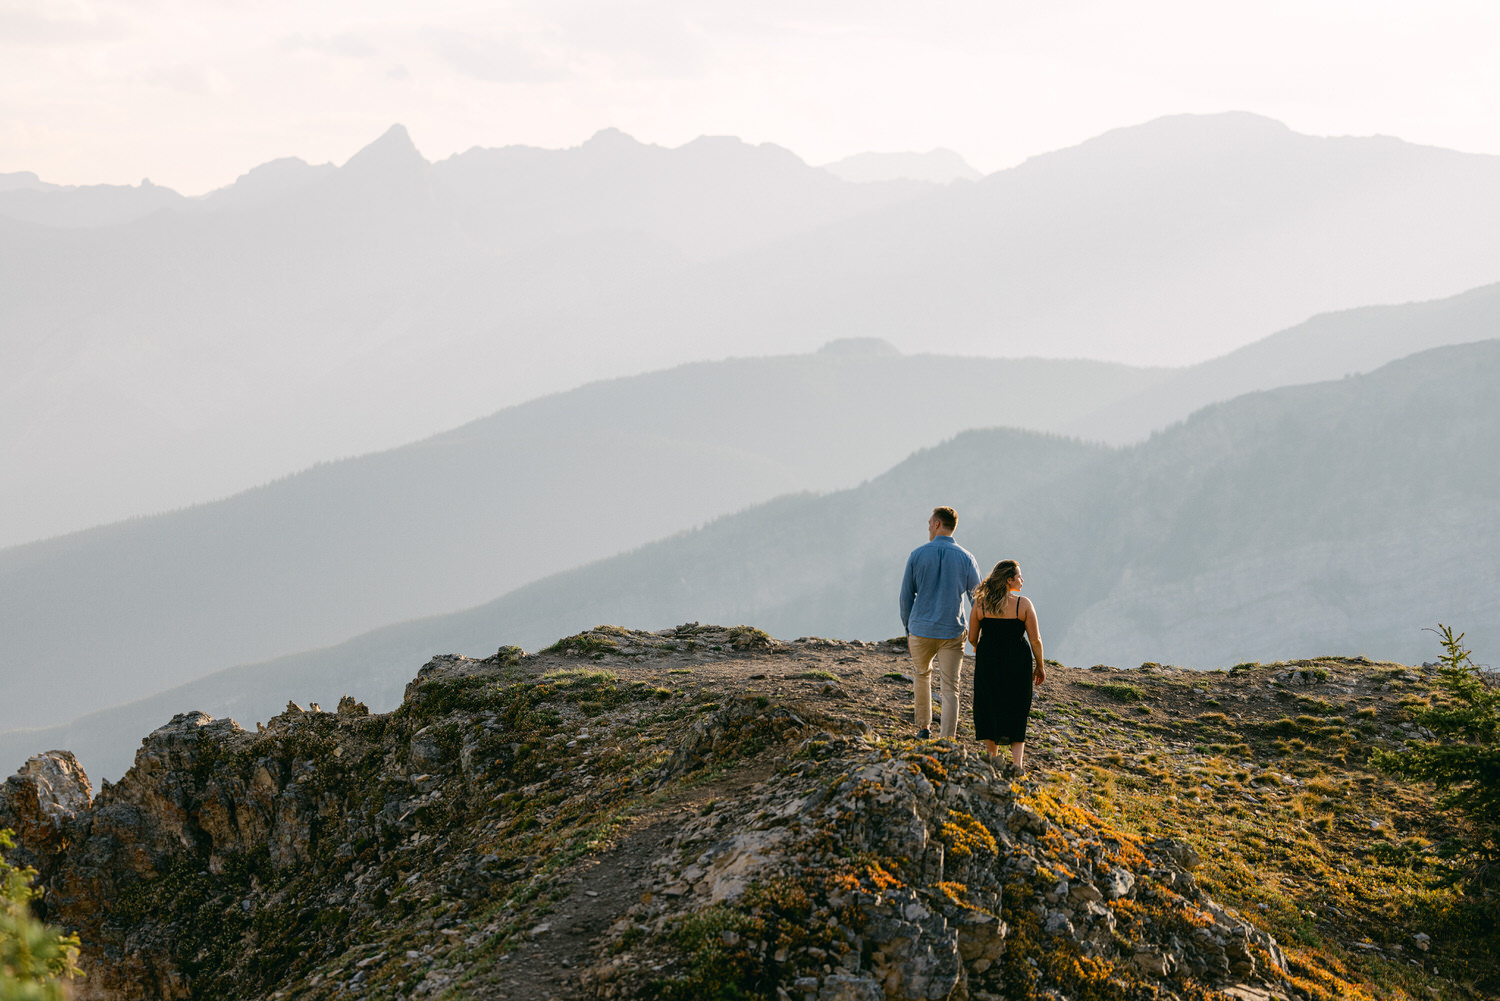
702	812
1161	551
322	319
451	521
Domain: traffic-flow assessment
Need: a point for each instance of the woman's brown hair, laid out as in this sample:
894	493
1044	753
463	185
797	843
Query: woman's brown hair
992	590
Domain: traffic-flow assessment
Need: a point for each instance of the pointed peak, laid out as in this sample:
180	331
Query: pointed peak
393	147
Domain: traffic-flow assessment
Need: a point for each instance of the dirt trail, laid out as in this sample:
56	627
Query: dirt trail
605	885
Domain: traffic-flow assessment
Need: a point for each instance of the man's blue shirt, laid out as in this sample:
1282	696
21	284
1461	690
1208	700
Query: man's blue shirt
938	577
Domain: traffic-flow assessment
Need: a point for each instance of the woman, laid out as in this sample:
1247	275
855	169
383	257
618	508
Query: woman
1005	663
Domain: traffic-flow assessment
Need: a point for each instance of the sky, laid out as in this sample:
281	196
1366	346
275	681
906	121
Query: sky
193	94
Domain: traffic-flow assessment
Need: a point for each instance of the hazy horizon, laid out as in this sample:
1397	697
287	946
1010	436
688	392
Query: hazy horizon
591	195
111	92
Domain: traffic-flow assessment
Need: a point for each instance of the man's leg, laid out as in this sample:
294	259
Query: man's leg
922	651
950	658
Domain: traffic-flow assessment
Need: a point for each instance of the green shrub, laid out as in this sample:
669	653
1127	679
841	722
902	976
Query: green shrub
1115	690
749	638
584	644
35	958
1464	762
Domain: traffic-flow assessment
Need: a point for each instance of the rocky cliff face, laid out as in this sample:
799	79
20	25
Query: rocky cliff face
715	815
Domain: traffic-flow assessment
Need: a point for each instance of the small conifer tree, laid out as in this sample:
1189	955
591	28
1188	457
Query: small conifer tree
35	958
1464	762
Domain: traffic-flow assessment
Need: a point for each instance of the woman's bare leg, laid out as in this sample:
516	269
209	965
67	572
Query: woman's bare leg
991	748
1018	755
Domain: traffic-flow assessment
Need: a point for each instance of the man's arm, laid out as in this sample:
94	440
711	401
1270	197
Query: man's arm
908	594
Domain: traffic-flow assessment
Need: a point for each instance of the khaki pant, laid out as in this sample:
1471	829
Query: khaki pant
950	660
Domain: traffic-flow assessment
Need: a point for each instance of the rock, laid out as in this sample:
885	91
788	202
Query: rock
849	987
1057	923
1153	962
734	863
40	800
913	959
349	707
981	938
1423	940
1180	852
1023	818
427	752
1117	883
1082	893
292	707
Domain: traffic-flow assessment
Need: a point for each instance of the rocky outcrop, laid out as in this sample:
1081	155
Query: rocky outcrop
951	844
40	801
344	854
203	796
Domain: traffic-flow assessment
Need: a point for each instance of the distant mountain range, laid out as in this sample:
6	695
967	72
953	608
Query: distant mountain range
1341	517
312	312
308	313
461	517
456	519
1329	346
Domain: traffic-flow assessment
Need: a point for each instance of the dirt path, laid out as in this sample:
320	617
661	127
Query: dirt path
605	885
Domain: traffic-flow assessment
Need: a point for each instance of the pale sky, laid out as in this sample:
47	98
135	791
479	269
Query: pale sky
192	93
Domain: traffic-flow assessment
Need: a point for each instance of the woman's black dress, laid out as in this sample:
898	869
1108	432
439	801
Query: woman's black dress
1002	681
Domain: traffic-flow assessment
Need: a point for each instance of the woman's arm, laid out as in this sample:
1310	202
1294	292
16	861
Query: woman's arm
1034	637
975	614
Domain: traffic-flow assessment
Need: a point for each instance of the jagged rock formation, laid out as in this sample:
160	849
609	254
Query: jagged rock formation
714	813
913	852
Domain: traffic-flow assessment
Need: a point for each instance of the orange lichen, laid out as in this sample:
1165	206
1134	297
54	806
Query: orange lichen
964	836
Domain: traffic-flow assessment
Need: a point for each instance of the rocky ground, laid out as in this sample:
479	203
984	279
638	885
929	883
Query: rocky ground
706	813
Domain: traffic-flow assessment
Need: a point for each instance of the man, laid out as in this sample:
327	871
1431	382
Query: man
939	576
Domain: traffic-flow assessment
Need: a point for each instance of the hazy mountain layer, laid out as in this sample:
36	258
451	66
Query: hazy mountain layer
1330	346
313	312
479	511
307	313
1167	243
1344	517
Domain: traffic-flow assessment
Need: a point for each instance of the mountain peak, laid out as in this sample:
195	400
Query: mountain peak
612	138
23	180
394	150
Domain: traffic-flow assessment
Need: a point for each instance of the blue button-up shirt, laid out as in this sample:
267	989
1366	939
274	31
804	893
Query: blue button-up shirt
938	577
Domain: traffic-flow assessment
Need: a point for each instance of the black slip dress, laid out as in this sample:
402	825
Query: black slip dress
1002	680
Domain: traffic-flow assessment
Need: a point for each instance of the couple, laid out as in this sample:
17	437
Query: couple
1002	628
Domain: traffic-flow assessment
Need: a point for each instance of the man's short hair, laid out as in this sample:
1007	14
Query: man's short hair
946	516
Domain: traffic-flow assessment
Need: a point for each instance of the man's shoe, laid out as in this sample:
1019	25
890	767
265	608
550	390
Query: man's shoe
922	734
